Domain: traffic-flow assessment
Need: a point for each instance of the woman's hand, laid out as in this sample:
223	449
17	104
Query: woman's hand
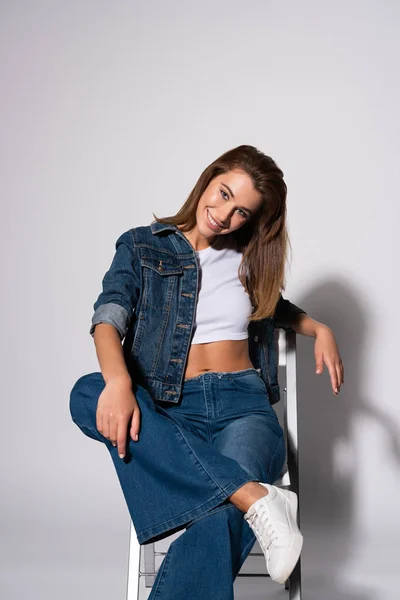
116	405
326	351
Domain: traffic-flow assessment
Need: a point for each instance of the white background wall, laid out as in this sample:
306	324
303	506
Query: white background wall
109	112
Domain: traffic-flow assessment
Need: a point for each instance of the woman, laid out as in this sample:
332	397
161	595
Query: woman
196	299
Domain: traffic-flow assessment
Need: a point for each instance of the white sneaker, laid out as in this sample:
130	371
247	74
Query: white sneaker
273	520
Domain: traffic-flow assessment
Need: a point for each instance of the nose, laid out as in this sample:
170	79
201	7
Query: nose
224	216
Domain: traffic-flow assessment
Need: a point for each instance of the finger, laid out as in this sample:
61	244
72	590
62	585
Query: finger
338	375
135	425
106	427
319	364
113	430
99	422
333	376
342	367
121	437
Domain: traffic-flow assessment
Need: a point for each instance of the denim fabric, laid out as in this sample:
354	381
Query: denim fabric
149	295
191	456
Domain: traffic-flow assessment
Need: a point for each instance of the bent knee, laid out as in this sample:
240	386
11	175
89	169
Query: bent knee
84	396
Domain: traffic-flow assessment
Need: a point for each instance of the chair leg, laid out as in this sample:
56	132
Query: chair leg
295	582
133	590
149	563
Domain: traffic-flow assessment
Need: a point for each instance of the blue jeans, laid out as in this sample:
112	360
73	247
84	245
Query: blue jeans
190	457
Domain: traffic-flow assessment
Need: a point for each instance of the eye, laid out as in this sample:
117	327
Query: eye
223	192
243	214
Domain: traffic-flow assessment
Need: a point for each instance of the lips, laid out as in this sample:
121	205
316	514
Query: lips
213	223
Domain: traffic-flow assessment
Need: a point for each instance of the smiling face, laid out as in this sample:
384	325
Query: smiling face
227	203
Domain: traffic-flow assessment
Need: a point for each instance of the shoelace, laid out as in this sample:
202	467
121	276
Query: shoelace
262	522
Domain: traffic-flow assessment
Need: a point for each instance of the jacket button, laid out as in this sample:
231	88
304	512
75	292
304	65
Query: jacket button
256	338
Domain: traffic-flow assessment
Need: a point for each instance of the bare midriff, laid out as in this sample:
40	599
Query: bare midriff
225	355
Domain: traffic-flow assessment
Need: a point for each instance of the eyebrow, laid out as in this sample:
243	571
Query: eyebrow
233	195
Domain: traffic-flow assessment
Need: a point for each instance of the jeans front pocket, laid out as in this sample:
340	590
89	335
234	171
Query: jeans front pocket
235	399
251	383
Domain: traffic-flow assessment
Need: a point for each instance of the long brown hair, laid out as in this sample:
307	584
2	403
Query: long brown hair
264	239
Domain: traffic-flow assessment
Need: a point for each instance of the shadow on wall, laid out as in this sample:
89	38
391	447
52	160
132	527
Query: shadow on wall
328	459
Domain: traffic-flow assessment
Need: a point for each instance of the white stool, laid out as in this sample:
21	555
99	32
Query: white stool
142	559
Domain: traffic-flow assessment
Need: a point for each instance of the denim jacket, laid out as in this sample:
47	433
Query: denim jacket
149	295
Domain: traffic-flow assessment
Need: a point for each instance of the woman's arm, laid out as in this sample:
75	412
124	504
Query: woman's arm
325	348
113	310
288	316
305	325
110	354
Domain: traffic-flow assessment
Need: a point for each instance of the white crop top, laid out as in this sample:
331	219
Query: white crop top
223	305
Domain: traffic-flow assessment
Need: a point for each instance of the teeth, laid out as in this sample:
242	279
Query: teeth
212	220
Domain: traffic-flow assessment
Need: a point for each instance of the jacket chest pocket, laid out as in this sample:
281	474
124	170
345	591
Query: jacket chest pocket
161	278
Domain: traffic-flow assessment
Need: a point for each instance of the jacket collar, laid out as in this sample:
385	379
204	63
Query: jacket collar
157	227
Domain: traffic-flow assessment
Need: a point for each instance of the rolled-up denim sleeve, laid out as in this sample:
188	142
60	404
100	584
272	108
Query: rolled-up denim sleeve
120	287
286	313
